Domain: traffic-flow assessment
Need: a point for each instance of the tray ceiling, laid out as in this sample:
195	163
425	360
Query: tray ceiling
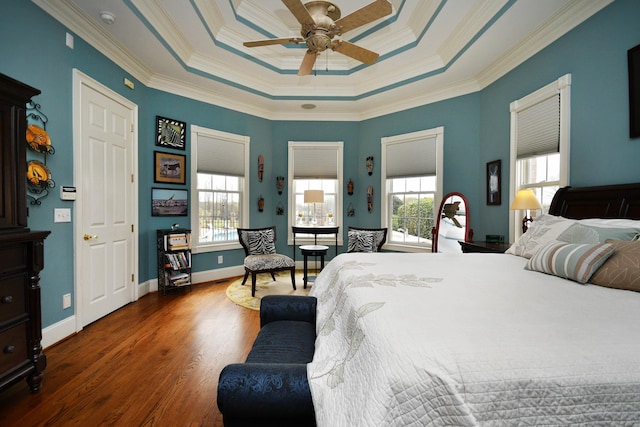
430	50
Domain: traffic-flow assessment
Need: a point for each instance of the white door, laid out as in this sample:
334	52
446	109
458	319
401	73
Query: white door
106	209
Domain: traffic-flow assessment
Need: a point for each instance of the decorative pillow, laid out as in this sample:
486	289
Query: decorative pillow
622	270
545	228
360	241
571	261
579	233
260	242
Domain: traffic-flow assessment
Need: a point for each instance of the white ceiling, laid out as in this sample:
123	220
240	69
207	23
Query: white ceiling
429	50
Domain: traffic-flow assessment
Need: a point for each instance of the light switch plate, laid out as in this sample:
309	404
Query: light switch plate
62	215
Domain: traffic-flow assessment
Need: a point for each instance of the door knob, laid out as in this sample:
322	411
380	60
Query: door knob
90	236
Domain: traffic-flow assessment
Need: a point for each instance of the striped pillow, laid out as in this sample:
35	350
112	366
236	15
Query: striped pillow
571	261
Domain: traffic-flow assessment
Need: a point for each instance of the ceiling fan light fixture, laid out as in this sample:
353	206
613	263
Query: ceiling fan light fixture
308	106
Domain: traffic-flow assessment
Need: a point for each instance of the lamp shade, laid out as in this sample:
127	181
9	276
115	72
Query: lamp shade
314	196
525	200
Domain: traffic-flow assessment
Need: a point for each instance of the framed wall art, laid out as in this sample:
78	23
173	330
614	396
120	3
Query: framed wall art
169	202
493	183
170	133
169	168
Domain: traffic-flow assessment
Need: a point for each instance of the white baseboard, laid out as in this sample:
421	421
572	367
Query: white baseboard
217	274
58	331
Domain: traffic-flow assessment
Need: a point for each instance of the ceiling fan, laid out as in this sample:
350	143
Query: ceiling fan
321	22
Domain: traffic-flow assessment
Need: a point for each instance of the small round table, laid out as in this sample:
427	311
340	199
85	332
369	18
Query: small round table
312	250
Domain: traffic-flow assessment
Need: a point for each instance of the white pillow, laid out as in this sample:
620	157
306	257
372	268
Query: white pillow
544	229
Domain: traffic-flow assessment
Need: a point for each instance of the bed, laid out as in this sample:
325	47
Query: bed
488	339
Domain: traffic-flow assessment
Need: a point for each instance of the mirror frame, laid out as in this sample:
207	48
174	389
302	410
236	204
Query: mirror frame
468	232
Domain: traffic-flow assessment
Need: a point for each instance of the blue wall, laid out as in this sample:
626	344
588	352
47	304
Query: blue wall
476	130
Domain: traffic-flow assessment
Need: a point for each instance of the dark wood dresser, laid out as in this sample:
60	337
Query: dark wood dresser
21	250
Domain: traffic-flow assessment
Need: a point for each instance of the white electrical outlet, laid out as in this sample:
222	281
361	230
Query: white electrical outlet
66	301
220	259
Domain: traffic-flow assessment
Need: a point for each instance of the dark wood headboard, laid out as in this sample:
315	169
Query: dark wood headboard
606	201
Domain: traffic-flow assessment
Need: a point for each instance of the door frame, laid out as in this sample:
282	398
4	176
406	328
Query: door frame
79	80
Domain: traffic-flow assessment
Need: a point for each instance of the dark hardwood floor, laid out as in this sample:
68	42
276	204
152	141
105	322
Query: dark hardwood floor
154	362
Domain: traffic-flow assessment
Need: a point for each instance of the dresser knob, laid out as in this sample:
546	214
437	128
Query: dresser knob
9	349
7	299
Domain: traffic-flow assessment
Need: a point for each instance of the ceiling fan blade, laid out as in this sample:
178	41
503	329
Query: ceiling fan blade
268	42
299	11
355	51
307	63
364	15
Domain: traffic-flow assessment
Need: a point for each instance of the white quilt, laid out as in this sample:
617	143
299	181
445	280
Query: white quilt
470	339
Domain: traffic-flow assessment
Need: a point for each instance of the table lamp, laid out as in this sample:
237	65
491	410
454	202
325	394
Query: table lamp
525	200
315	197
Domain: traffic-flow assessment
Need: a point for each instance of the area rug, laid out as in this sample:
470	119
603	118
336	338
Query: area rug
265	285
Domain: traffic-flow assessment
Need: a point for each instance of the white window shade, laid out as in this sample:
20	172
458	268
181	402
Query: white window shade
411	158
315	162
538	128
220	156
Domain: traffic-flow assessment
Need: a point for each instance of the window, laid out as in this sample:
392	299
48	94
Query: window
411	169
219	164
540	145
315	166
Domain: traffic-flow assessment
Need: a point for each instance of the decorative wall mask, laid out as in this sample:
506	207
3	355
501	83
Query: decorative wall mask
280	184
280	209
350	187
350	210
261	203
370	199
260	167
369	165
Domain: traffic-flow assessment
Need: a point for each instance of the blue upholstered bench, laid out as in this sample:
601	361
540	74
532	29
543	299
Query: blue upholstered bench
271	388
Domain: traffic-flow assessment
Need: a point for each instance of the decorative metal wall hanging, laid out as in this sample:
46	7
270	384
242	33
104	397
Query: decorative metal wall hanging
350	187
369	164
261	204
39	178
280	184
370	199
260	167
350	210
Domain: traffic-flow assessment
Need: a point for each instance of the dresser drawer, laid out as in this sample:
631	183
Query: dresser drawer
13	347
12	297
13	258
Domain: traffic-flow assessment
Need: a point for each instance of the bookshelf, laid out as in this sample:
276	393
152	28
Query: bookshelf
174	259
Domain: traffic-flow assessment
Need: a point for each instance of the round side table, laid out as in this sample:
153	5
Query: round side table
312	250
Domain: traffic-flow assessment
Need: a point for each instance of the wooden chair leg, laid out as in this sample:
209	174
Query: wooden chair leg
273	276
293	278
253	284
246	274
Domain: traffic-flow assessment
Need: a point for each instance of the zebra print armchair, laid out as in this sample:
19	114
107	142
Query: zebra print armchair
366	239
261	257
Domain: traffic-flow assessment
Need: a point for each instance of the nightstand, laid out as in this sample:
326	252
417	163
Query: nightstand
495	248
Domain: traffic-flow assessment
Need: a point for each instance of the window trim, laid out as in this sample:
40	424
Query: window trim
385	221
338	216
560	86
233	138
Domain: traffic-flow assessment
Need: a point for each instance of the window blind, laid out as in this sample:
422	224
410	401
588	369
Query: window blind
411	158
315	162
538	128
220	156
